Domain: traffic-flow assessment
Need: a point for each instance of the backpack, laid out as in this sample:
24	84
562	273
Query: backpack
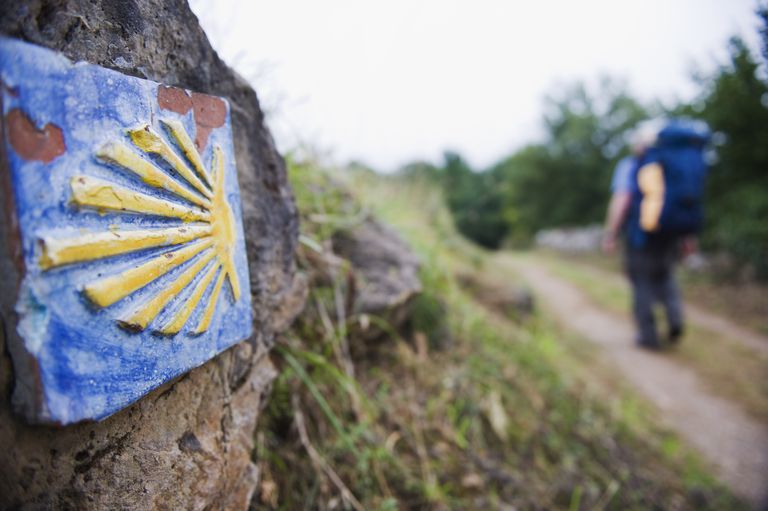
679	150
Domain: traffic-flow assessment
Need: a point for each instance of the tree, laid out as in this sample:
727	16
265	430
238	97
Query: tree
565	181
474	201
420	170
735	105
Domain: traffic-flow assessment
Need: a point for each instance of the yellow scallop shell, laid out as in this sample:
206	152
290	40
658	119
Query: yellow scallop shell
205	236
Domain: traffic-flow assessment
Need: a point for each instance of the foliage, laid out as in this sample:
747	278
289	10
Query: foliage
560	182
564	180
735	105
492	419
474	202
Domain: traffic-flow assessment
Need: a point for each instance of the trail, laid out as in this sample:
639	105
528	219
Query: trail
734	443
705	319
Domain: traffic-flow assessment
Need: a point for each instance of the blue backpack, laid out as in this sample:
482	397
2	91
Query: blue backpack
679	149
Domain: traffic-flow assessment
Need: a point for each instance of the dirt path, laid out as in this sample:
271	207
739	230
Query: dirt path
696	315
734	443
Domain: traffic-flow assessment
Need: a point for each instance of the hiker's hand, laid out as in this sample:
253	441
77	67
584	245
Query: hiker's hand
689	245
609	243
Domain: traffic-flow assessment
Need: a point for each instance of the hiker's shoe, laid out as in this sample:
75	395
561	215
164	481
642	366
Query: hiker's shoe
646	345
675	334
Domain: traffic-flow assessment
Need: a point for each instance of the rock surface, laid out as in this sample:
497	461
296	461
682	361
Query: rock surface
507	298
188	444
385	268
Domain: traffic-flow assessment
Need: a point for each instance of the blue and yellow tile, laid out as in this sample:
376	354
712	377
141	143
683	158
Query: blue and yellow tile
129	222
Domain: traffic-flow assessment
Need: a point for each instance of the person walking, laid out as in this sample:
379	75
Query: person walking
655	199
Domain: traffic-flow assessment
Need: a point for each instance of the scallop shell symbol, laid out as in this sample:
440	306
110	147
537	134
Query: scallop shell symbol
204	239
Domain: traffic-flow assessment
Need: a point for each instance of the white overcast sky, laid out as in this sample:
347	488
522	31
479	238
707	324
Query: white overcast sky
390	81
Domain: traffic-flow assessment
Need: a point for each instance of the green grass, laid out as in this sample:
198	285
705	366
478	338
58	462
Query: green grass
493	412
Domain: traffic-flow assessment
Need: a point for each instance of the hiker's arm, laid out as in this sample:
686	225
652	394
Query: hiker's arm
617	213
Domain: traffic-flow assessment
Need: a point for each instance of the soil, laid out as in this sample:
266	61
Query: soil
734	443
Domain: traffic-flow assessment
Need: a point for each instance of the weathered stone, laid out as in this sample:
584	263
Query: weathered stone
185	446
188	444
385	268
507	298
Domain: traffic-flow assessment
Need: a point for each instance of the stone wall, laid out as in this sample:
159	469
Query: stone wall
574	240
188	444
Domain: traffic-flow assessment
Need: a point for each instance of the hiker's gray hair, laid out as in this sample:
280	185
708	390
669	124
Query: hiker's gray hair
645	133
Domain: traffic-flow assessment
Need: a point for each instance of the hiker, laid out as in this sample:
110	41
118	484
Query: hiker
656	200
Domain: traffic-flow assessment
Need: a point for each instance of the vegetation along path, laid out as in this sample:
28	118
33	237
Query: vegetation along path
732	440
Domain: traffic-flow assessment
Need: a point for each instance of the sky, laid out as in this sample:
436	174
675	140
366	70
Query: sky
390	82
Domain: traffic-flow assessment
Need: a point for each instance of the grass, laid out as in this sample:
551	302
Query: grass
743	302
728	368
461	408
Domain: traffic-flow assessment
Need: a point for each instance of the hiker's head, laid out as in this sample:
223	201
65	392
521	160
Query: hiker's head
644	135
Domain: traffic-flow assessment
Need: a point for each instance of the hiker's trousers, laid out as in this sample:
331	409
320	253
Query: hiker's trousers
651	273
